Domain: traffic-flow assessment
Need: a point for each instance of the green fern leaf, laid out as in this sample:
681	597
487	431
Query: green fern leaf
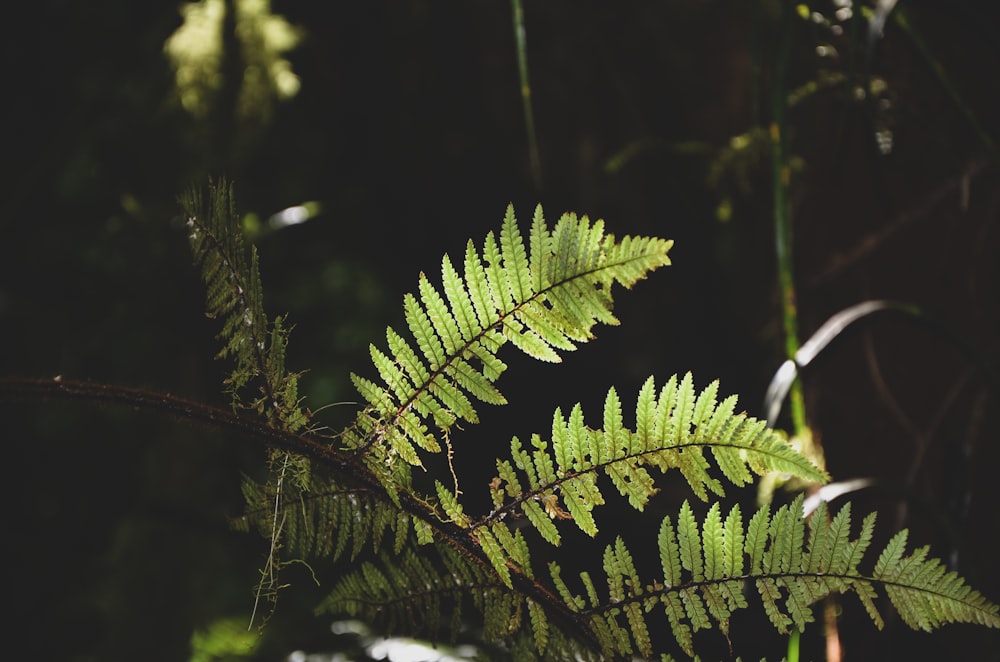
423	531
694	607
259	380
452	508
494	552
548	325
423	330
578	493
590	589
756	538
689	540
733	539
614	435
673	606
703	578
645	415
390	372
444	324
479	288
453	398
711	538
496	277
517	549
458	299
542	461
540	299
673	430
578	440
523	462
539	625
528	341
476	383
891	555
515	259
406	357
540	520
540	250
682	412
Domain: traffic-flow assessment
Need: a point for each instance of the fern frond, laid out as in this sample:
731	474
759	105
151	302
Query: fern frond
234	295
673	430
706	567
542	298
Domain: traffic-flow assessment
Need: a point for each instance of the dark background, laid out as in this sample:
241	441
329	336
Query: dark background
408	129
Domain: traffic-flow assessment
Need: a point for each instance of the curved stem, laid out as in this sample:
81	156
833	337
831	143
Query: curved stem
344	464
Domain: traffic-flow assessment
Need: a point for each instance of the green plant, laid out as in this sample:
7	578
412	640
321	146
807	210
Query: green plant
427	560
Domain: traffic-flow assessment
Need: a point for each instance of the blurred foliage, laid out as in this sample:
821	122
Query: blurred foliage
197	53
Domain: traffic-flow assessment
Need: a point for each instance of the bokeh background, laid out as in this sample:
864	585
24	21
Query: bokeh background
401	127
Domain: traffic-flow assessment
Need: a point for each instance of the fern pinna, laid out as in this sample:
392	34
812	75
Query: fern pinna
422	562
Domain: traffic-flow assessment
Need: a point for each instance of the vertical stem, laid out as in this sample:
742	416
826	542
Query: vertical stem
833	648
529	116
793	647
781	176
784	248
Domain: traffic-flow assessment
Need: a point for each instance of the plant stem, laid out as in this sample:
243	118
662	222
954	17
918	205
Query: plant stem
529	116
781	177
793	647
